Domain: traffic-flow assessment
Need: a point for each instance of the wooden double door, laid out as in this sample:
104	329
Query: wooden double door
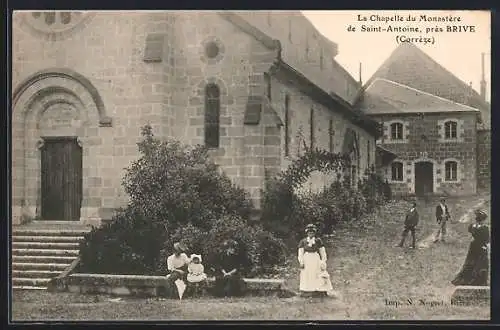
61	179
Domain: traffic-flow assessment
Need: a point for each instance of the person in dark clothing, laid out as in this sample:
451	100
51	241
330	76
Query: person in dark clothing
476	266
442	217
411	222
229	278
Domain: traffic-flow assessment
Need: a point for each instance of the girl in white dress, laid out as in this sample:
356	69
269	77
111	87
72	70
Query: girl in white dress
196	271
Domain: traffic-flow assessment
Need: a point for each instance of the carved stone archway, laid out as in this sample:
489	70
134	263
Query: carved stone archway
50	103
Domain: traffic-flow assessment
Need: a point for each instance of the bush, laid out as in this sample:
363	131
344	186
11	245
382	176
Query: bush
130	244
375	189
176	194
259	250
286	213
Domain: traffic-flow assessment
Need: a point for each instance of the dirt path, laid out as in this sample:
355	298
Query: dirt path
369	270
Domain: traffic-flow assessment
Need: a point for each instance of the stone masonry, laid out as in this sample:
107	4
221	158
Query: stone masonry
111	73
423	142
484	158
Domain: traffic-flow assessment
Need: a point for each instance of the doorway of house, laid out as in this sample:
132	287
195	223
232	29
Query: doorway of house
424	178
61	179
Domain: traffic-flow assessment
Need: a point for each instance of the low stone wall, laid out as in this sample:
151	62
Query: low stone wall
471	295
151	286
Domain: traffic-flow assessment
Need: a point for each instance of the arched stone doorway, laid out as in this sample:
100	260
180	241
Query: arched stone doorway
53	112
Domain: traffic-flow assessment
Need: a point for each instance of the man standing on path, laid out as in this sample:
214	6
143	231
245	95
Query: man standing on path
411	222
442	217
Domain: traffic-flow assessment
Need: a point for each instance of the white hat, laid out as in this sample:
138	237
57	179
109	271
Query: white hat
196	256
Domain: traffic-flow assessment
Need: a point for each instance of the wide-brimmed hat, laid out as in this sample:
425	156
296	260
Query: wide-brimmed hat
178	246
480	214
196	256
311	227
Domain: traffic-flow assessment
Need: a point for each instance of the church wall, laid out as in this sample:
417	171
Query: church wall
300	128
108	50
238	70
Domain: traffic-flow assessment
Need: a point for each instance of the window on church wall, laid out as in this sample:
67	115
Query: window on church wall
267	78
54	18
331	134
450	130
287	125
311	125
397	171
396	131
451	169
212	116
354	177
307	46
321	59
368	147
290	29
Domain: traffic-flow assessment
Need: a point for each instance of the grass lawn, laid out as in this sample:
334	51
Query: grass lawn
366	269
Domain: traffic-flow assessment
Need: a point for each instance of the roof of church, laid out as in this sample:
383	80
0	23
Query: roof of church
410	66
383	96
339	81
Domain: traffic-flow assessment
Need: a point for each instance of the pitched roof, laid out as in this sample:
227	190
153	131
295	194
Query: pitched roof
383	96
410	66
337	81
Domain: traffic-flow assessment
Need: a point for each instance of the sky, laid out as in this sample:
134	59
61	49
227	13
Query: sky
458	52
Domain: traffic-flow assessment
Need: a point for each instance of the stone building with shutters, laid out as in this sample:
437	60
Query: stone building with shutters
255	87
435	127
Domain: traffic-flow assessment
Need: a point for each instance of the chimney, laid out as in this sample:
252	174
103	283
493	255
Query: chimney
360	78
469	93
483	82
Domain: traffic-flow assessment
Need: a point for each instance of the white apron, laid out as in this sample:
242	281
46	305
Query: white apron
309	275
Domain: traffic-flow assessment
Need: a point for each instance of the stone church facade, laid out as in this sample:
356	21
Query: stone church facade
84	83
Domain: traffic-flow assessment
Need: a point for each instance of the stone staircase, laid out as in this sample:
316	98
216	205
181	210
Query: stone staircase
39	254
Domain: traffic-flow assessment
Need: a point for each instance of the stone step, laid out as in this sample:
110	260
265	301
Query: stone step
48	232
45	252
43	259
46	245
35	273
33	282
38	266
23	238
28	287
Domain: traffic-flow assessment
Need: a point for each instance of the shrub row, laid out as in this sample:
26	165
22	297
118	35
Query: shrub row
177	194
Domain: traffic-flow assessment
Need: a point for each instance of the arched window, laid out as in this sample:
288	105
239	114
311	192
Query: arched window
290	29
321	59
451	170
287	125
368	152
397	171
212	114
396	131
311	126
450	130
331	134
